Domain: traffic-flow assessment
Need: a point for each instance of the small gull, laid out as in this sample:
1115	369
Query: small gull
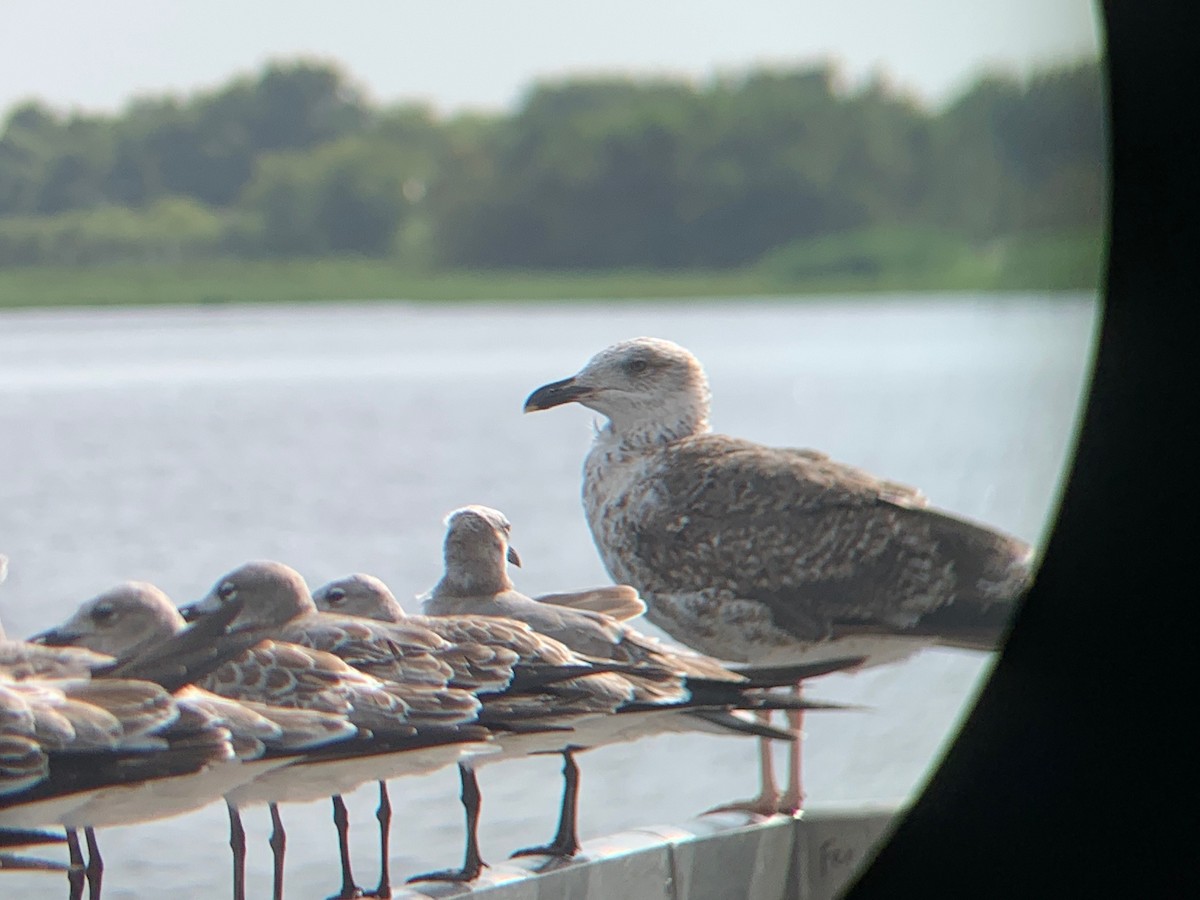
530	713
277	604
701	694
312	699
162	752
772	555
100	745
562	685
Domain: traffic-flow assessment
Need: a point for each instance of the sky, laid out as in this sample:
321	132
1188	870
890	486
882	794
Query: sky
475	54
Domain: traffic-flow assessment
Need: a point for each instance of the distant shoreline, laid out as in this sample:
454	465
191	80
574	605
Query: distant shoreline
310	280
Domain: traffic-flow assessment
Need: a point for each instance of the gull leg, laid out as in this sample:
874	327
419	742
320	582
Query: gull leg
384	815
237	843
341	819
767	801
566	839
472	864
793	798
75	872
95	866
278	842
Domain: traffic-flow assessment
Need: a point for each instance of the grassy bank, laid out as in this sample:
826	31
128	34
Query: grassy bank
868	261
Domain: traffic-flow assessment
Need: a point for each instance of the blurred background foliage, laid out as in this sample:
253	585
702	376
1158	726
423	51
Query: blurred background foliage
786	171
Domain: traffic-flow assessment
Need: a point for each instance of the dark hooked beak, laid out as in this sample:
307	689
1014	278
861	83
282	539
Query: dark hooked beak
191	612
556	394
54	637
514	558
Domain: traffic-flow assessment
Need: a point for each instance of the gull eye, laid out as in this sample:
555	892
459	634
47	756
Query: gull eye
227	591
636	366
102	613
335	595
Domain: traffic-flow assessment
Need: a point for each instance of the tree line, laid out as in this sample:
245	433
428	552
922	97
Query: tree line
592	173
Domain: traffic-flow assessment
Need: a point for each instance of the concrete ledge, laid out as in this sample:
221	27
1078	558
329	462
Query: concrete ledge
713	858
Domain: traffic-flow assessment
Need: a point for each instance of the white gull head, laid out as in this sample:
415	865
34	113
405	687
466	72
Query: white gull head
651	390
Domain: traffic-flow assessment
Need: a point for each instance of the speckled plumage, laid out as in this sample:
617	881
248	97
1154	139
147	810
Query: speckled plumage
772	555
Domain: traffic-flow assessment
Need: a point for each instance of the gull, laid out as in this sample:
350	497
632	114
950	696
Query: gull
772	555
311	698
276	603
122	750
84	754
519	703
700	695
558	684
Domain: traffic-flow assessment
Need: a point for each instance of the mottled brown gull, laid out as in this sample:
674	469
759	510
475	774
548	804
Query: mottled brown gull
551	685
701	694
277	603
95	752
772	555
333	726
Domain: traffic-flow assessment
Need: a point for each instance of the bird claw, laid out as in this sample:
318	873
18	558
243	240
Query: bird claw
459	876
761	806
562	851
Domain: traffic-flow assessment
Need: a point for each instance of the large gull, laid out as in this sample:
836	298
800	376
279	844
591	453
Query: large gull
703	696
772	555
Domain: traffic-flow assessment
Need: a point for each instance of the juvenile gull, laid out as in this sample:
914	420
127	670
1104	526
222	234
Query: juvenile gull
563	686
310	699
277	603
552	689
161	753
79	753
701	694
772	555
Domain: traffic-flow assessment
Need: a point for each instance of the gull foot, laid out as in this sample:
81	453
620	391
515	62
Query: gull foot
456	875
764	807
561	850
351	894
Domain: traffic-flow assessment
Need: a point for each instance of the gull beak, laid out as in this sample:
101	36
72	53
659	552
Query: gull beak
192	611
556	394
54	637
514	558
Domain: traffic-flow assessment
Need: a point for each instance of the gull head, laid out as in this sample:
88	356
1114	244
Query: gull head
119	621
475	552
359	595
651	390
271	594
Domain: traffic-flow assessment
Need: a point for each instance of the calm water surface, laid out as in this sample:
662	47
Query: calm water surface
173	445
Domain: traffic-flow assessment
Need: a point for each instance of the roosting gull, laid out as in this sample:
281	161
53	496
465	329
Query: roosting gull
772	555
119	747
394	682
552	686
135	617
701	695
278	604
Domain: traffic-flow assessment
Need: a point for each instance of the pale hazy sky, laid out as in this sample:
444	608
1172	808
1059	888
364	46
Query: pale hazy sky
475	53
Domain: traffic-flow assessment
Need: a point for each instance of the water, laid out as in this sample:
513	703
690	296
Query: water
173	445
